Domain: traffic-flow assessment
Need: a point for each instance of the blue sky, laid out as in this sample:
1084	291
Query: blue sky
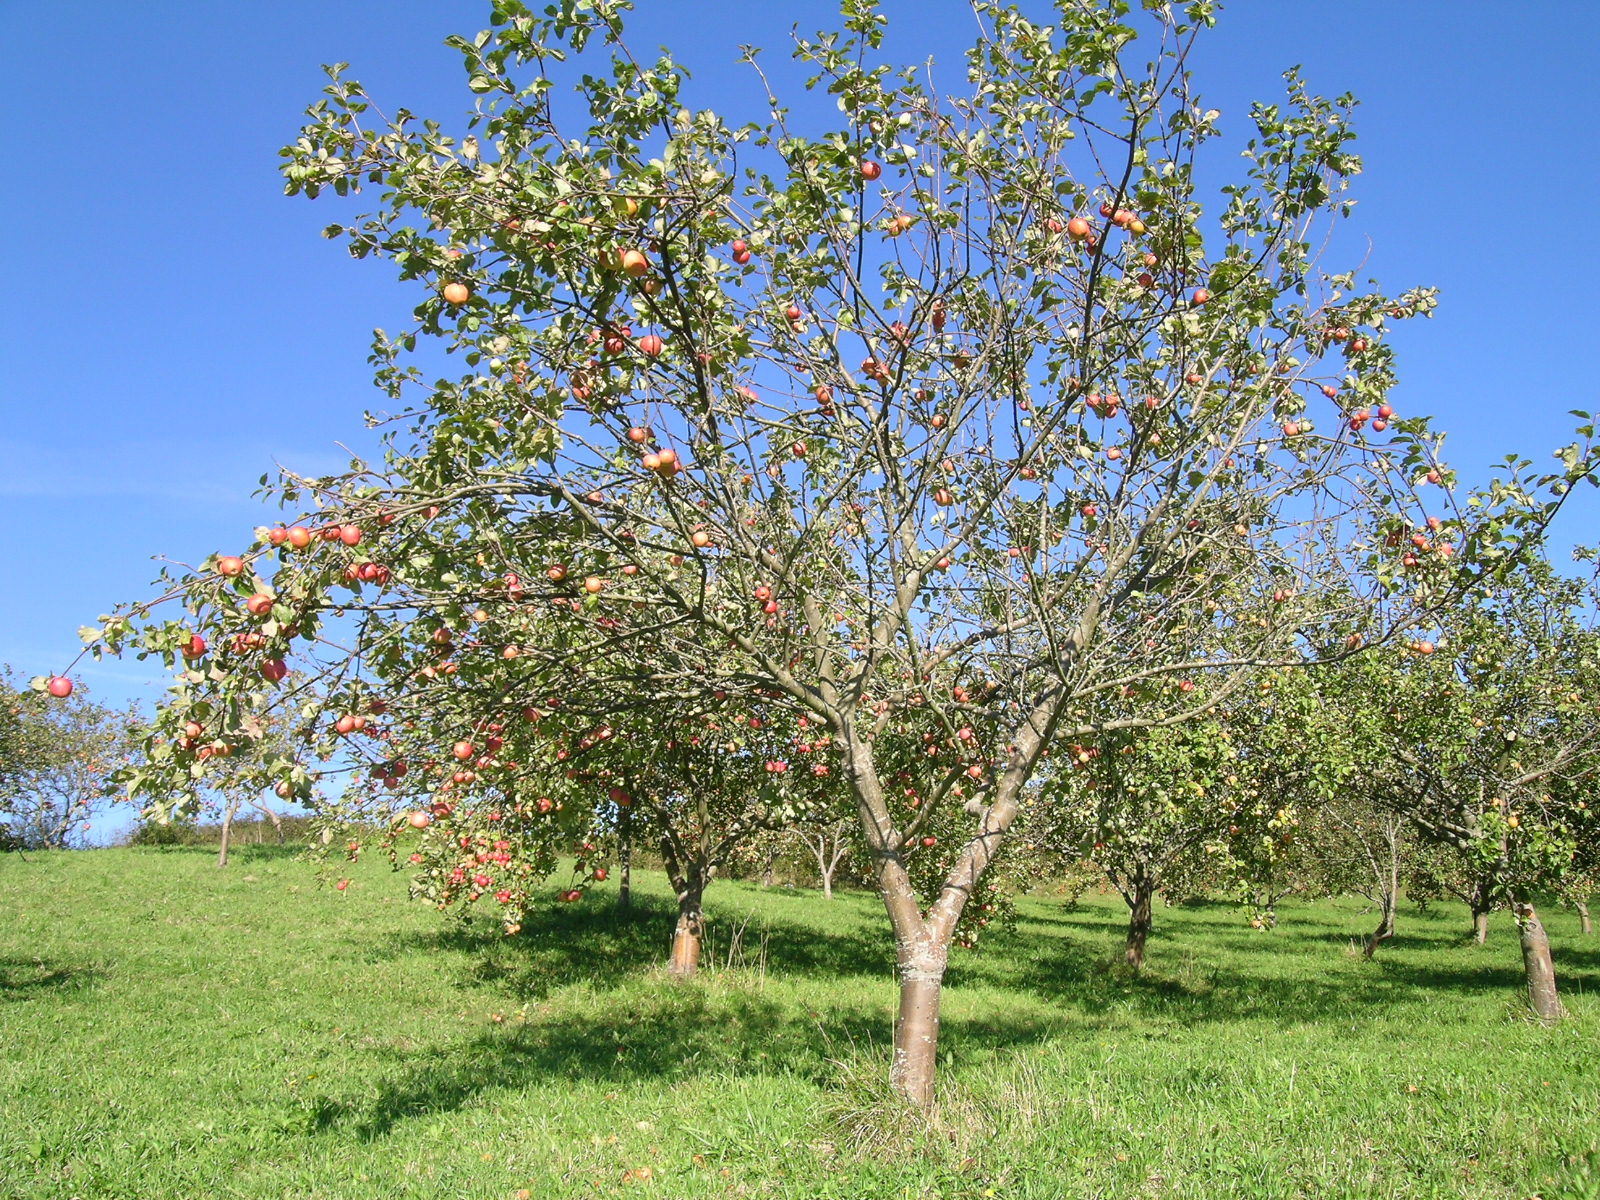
172	325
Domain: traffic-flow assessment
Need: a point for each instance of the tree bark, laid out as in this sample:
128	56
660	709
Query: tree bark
1481	902
916	1029
1587	923
689	883
625	859
685	959
767	871
1543	997
827	886
1383	932
1140	899
1387	877
227	832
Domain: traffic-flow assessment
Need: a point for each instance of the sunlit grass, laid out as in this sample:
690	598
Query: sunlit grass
171	1030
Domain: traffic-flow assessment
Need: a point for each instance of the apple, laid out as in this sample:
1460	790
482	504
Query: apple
635	263
594	585
456	293
277	536
258	605
350	535
420	820
273	670
1078	229
299	537
650	345
1201	296
870	170
59	686
194	648
230	565
463	750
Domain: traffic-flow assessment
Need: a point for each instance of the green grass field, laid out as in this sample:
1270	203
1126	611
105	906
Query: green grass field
171	1030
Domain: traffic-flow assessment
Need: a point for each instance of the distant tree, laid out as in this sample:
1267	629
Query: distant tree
57	759
1490	746
828	842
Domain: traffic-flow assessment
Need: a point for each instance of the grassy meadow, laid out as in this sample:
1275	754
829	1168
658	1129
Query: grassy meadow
171	1030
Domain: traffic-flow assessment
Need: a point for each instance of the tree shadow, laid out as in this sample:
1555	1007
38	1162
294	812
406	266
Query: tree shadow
23	977
1065	968
712	1028
239	853
602	944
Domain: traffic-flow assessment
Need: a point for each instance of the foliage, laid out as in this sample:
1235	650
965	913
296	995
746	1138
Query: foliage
57	758
878	426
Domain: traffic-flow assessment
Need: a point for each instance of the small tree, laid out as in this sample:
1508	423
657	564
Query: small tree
57	760
828	842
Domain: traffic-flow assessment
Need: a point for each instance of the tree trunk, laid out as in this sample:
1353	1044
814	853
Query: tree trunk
767	871
827	886
916	1028
1583	915
1481	901
688	878
685	959
1139	903
227	832
1385	929
1387	877
1542	995
625	860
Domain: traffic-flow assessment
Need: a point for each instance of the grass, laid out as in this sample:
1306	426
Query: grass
171	1030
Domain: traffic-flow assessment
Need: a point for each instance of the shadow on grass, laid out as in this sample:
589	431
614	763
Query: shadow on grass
602	944
239	854
1064	968
21	978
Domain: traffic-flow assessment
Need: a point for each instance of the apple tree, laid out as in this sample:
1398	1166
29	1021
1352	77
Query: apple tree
57	760
1491	749
936	415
